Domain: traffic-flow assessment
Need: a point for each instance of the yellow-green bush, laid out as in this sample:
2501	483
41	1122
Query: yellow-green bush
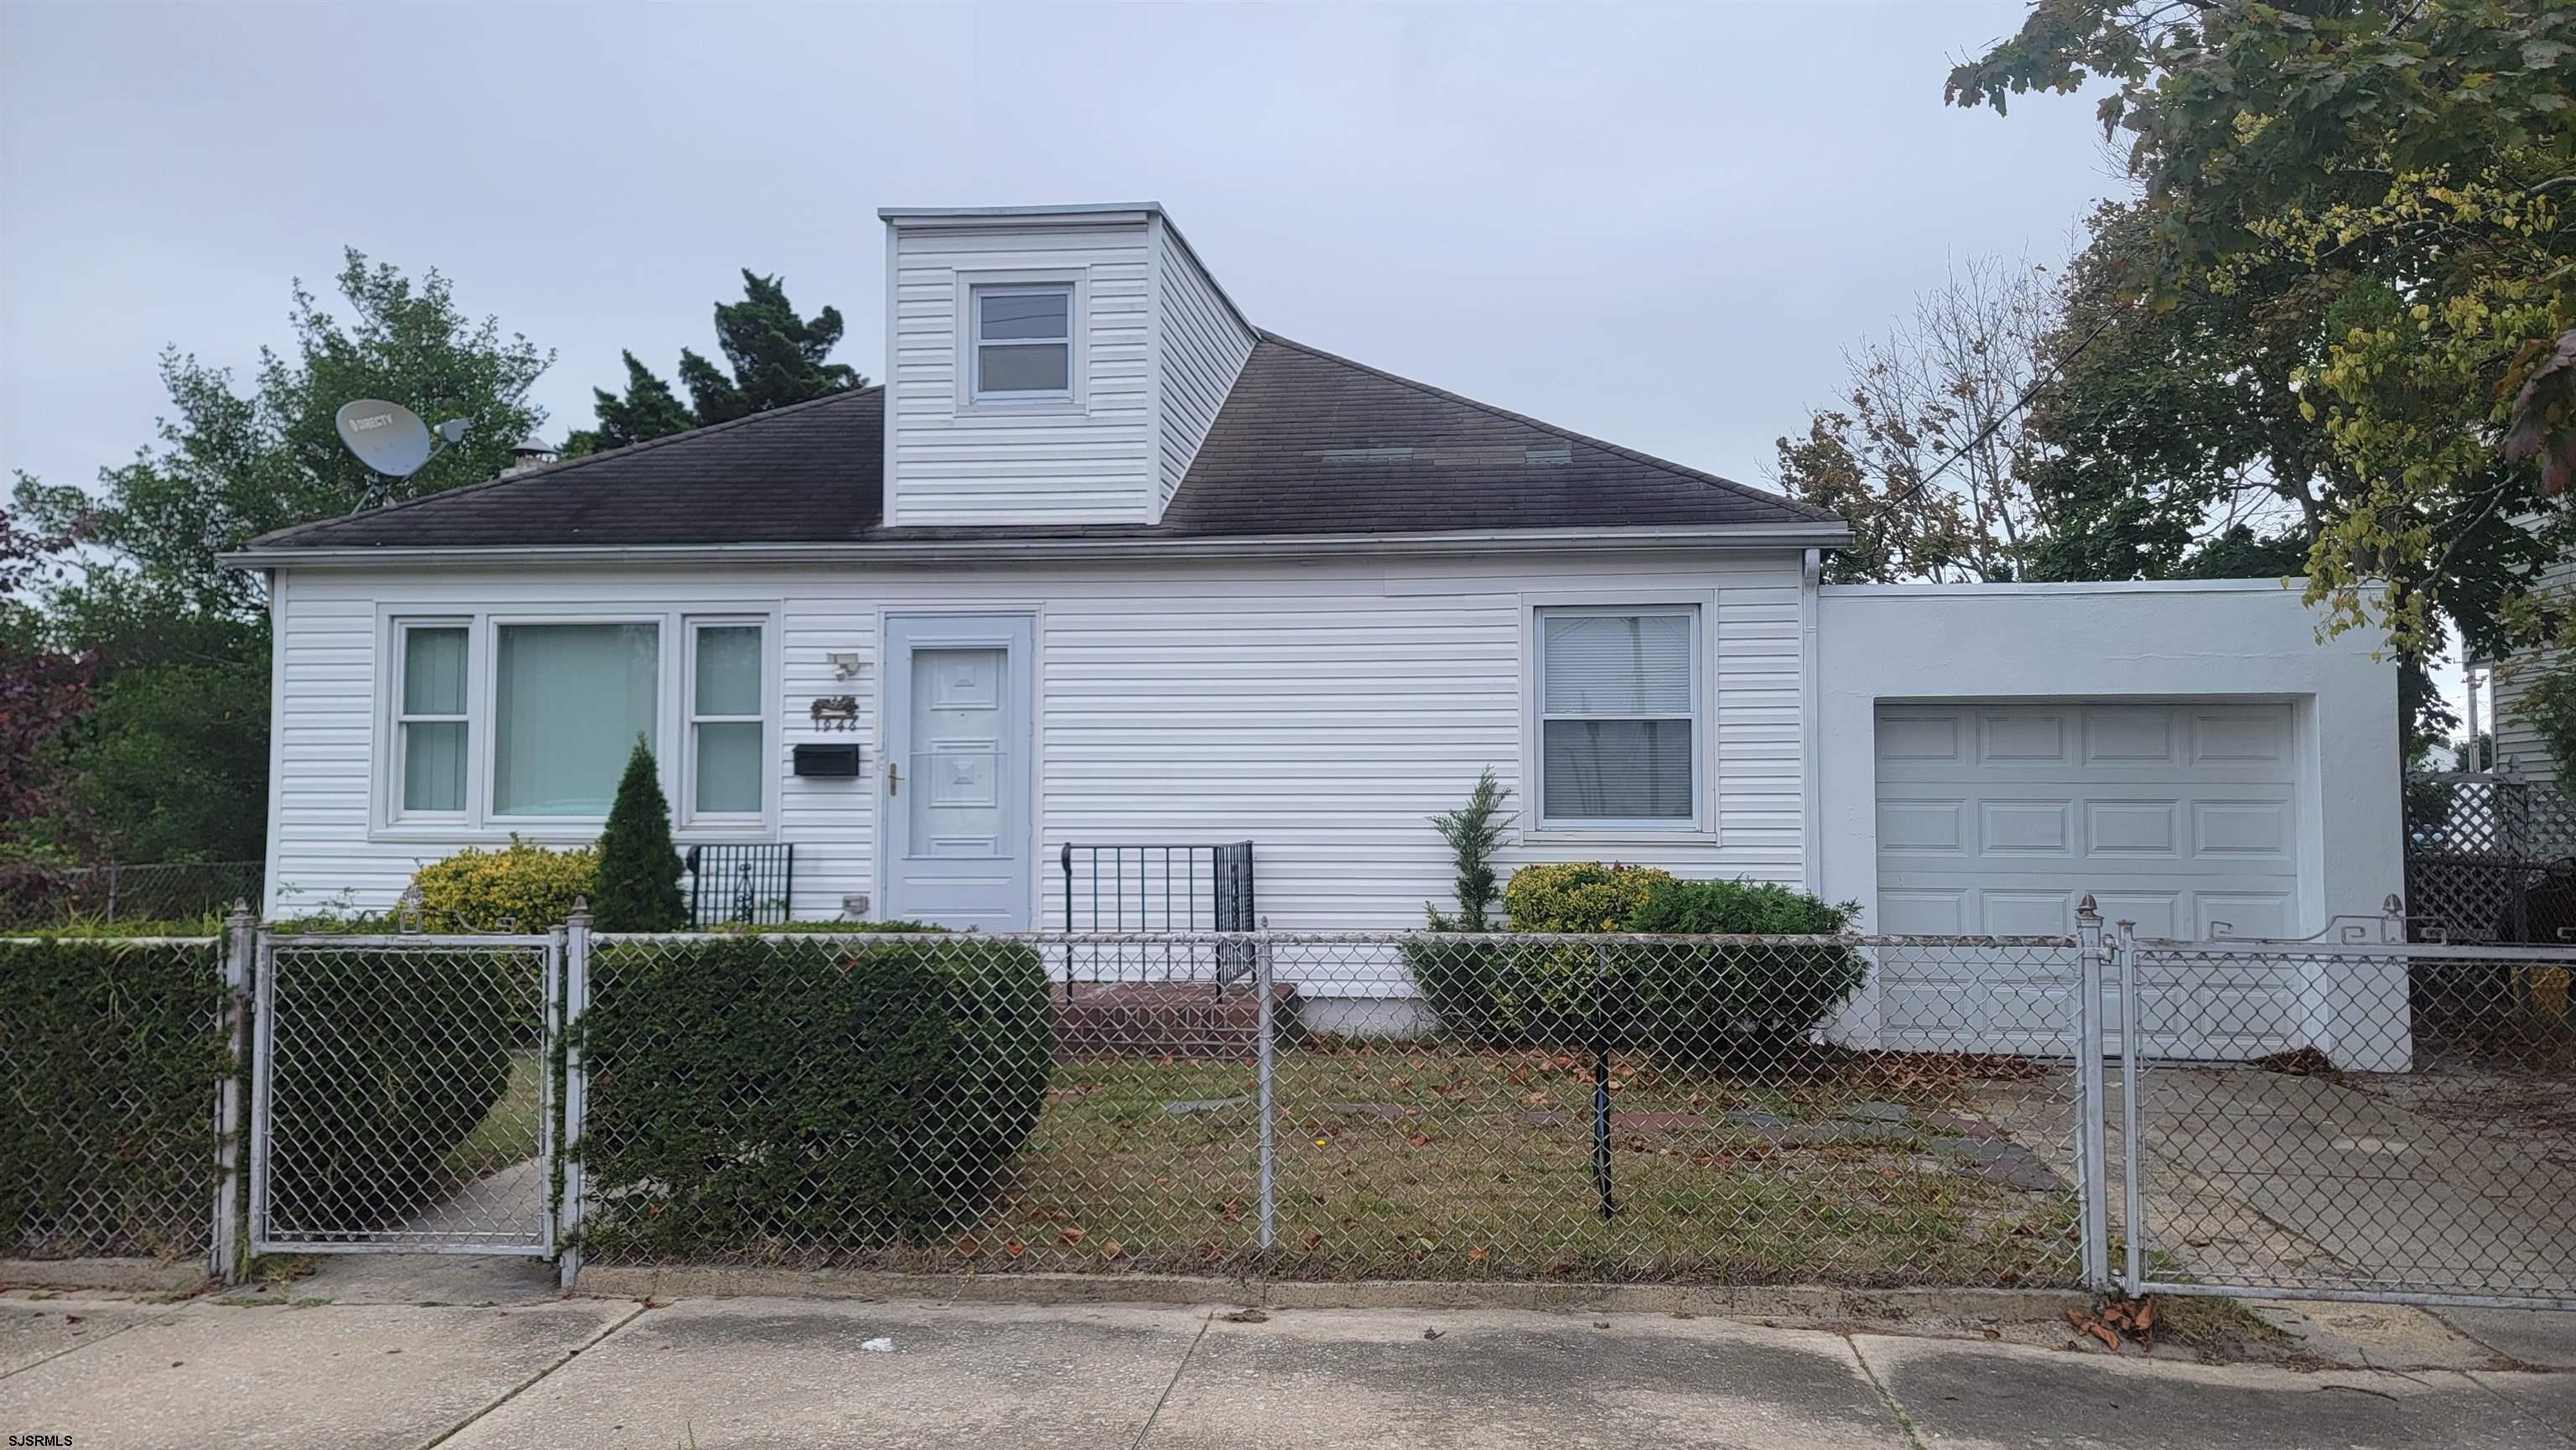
525	884
1578	896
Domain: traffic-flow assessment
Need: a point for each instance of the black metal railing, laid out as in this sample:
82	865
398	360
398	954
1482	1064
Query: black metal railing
745	884
1113	887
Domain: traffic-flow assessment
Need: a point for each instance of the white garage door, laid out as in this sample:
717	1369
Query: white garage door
1997	819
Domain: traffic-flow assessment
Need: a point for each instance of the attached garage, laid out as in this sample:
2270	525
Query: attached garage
1998	818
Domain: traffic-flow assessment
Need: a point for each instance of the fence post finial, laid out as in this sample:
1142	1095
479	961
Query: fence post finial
2086	908
240	915
580	911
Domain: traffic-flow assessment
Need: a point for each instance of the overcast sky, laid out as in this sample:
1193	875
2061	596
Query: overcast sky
1658	225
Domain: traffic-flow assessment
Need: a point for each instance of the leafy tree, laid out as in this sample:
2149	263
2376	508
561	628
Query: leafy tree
775	357
639	870
1928	462
42	690
231	466
171	759
2414	162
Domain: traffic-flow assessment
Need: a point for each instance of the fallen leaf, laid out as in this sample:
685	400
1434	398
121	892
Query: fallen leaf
1112	1249
1431	1334
1069	1236
1314	1239
970	1246
1015	1248
1475	1255
1247	1316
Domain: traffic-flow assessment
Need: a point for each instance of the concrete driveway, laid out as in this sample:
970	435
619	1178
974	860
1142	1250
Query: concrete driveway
588	1372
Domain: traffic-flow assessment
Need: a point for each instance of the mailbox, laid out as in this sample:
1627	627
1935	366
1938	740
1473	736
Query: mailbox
828	762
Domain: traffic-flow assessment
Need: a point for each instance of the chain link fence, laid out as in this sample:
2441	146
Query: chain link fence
36	897
1330	1106
2354	1120
403	1093
112	1055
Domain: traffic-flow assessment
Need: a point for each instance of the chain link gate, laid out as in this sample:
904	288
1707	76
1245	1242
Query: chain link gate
403	1094
2349	1119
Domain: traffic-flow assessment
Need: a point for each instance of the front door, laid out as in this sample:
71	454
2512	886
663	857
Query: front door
953	790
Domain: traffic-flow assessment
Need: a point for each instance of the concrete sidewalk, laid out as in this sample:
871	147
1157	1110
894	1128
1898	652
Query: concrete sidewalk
590	1372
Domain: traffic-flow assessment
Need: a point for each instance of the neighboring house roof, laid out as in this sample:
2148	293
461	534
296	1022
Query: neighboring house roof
1306	444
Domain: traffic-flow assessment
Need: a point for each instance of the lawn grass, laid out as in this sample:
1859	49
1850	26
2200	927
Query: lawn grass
508	1132
1449	1162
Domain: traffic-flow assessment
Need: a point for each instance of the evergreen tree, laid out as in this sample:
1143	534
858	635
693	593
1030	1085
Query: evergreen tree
775	357
639	870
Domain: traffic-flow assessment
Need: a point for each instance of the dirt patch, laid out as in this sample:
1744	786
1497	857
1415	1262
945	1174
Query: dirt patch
2530	1105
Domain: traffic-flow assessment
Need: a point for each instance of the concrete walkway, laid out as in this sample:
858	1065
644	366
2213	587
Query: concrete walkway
254	1370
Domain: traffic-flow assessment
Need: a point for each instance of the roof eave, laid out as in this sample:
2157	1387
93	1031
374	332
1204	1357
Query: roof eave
1007	550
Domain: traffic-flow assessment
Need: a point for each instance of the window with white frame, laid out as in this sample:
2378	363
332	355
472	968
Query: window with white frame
430	719
1023	341
569	702
1618	716
727	753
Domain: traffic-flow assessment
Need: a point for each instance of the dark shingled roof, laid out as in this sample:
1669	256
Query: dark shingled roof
1307	443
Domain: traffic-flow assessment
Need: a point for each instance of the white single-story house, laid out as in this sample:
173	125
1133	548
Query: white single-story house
1101	561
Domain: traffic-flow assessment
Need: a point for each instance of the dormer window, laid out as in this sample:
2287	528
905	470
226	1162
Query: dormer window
1023	342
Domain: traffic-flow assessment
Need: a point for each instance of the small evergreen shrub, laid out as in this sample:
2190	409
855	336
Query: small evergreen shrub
109	1057
389	1060
1457	975
529	885
759	1094
639	870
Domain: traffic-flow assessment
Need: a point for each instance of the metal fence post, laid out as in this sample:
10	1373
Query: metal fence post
573	1005
2090	1146
1265	1069
223	1259
2133	1200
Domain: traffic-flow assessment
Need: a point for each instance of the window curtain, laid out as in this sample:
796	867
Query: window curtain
570	700
1616	727
729	751
433	751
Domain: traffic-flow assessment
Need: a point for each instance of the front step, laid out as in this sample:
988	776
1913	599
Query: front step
1166	1019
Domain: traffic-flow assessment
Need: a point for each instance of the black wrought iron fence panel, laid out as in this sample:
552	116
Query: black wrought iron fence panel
2299	1119
112	1056
1405	1104
743	884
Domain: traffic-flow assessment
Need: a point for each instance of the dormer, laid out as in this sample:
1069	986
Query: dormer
1047	365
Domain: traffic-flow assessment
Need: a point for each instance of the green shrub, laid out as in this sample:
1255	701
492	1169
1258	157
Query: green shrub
755	1094
1683	1003
529	885
384	1062
1737	1000
109	1057
639	871
1577	896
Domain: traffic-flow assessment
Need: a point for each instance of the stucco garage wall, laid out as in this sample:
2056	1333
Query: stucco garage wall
2248	640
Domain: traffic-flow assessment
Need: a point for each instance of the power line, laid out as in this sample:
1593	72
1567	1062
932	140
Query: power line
2027	397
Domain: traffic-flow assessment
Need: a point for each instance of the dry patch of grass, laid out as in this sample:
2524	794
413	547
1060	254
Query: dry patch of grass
1453	1163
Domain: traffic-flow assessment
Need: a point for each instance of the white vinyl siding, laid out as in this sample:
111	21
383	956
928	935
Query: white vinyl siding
2515	741
952	458
1201	348
1321	709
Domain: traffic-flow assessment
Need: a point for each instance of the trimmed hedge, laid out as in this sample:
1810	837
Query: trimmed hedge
787	1093
109	1057
1682	1003
384	1062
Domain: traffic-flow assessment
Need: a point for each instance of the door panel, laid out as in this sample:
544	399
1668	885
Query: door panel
954	793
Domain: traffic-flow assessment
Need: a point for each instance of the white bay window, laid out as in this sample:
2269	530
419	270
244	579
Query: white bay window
1618	705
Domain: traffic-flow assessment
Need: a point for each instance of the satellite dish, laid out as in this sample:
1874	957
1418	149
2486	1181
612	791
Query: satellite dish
387	437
